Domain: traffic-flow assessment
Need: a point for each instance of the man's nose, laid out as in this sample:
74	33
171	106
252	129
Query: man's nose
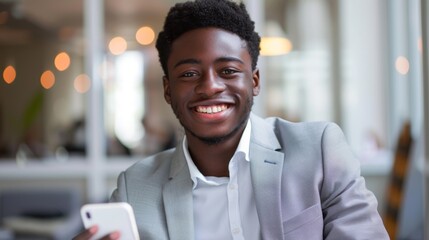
210	84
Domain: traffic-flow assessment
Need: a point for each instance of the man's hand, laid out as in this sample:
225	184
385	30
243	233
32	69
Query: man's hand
88	233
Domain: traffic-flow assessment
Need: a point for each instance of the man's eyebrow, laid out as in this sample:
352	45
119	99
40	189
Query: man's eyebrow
187	61
195	61
229	59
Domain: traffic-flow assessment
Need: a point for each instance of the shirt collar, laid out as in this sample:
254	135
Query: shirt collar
242	148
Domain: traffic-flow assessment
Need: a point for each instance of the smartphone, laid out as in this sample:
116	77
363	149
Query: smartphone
110	217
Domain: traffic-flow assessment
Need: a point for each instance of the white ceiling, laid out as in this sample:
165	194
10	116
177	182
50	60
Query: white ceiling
122	17
28	17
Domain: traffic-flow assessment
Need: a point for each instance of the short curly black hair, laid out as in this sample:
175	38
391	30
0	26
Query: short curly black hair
223	14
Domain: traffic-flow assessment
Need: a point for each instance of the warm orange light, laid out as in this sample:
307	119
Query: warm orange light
62	61
145	35
402	65
117	45
82	83
9	74
47	79
274	46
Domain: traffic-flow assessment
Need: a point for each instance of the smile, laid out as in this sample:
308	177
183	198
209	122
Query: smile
211	109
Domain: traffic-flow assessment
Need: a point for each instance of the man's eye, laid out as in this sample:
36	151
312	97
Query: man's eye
189	74
228	71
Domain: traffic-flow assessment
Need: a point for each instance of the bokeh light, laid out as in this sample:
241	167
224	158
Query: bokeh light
274	46
47	79
82	83
402	65
145	35
9	74
62	61
117	45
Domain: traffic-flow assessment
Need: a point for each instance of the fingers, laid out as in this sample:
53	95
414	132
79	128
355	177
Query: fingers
87	234
112	236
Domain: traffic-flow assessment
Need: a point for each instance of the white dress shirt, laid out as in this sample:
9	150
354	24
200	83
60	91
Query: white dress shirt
224	207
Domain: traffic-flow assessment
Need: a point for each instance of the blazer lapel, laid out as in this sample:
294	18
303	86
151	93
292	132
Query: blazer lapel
266	170
177	197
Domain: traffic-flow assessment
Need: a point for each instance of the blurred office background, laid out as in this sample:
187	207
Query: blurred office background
81	96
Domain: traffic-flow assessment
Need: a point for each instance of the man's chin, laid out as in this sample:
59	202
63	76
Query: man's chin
213	140
216	139
220	138
210	140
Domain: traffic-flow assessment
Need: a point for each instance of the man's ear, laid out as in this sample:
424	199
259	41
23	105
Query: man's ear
256	86
167	94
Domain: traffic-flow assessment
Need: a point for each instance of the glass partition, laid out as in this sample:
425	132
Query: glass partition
42	83
138	121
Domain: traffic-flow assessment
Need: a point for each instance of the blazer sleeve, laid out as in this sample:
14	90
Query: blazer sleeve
349	208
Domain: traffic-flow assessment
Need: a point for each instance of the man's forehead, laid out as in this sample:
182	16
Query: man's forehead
203	41
203	30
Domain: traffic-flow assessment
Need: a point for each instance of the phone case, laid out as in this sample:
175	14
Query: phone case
110	217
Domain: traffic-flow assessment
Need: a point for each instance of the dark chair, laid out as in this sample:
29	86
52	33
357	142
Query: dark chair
41	213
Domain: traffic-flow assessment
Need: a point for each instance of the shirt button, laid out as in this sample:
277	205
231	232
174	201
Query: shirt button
232	187
235	231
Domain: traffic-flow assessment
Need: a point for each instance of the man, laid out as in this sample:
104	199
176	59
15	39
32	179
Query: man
235	175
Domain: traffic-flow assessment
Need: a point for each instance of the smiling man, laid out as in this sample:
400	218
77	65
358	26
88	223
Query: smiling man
210	84
236	175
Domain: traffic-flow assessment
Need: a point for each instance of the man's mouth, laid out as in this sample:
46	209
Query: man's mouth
211	109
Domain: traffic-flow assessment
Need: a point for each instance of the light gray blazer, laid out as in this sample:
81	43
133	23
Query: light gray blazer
306	181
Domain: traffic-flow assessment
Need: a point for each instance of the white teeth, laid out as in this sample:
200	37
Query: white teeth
211	109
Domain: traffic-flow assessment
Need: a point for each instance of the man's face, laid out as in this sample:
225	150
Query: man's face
210	84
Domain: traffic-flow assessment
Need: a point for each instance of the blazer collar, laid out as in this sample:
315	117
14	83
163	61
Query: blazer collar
266	170
177	198
266	166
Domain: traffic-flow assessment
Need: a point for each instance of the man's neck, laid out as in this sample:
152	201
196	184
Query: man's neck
213	159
